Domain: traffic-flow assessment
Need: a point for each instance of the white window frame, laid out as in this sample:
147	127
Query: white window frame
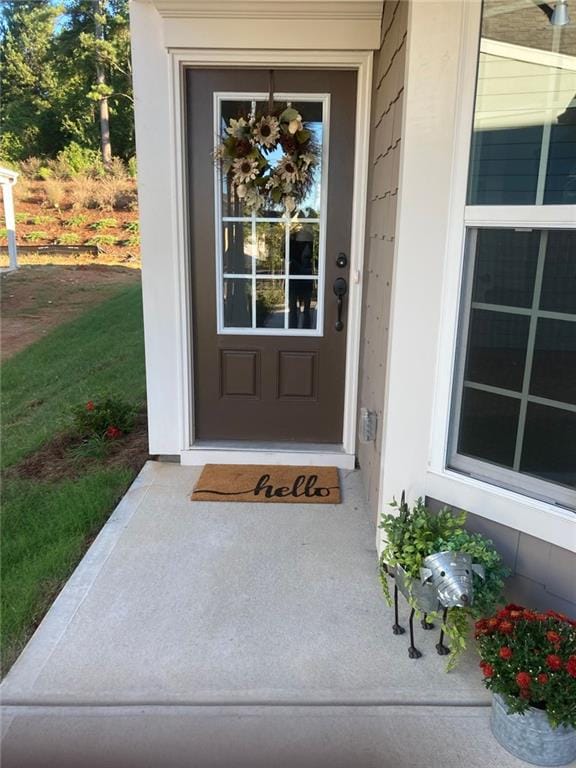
506	506
320	278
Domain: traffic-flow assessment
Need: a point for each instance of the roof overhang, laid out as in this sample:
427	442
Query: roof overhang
299	24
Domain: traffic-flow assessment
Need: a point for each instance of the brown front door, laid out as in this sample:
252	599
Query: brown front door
269	352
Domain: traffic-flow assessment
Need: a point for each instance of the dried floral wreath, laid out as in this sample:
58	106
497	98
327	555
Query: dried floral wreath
244	152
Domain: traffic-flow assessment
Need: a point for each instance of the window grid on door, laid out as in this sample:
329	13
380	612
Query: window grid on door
302	313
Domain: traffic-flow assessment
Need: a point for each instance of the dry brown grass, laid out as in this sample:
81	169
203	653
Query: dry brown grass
22	190
55	192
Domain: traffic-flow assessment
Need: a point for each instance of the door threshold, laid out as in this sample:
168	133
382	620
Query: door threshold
252	452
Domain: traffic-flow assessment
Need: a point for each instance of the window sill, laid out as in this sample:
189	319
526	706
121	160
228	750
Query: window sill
531	516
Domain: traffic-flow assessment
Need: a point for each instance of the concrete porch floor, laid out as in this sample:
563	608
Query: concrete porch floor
215	634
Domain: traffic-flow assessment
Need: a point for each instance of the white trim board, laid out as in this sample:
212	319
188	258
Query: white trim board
361	61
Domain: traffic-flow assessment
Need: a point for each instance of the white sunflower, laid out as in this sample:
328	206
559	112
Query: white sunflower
287	170
266	131
237	127
245	169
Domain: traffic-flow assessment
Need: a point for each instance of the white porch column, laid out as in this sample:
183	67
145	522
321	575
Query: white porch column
7	180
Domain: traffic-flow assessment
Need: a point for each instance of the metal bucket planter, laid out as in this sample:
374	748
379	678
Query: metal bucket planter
423	596
531	737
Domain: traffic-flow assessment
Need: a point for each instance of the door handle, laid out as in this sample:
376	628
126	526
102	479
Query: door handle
340	290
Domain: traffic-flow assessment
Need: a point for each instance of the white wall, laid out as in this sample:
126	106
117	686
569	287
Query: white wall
159	265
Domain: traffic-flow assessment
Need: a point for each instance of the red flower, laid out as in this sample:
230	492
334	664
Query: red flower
553	637
541	616
542	678
571	666
492	623
514	607
554	662
113	432
503	614
523	679
488	670
515	614
90	405
528	614
525	693
506	627
505	652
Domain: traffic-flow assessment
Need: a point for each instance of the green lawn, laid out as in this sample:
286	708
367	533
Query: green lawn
46	525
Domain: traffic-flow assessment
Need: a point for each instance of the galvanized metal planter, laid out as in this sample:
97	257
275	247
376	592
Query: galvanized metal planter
424	596
530	736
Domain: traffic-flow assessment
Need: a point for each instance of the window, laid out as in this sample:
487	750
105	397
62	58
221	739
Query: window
270	267
514	404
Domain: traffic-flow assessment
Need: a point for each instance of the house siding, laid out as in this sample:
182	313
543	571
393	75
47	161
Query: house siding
543	575
385	145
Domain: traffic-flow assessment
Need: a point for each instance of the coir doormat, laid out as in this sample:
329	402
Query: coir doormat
255	483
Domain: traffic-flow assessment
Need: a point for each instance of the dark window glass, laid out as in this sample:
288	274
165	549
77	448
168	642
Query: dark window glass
303	303
559	279
488	426
270	248
561	173
549	449
524	139
554	361
237	303
497	349
237	247
270	303
505	267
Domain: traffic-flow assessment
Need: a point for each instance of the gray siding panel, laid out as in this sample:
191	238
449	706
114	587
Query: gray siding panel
386	120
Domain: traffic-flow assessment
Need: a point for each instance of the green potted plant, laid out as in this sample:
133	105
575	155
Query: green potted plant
417	533
528	660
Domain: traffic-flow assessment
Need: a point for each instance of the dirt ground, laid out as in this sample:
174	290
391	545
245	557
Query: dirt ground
35	299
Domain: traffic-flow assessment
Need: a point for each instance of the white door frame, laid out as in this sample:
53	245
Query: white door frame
192	453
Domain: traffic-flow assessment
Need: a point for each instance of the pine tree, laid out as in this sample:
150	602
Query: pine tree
29	124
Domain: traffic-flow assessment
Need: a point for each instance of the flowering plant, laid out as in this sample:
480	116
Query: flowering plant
246	152
529	659
107	419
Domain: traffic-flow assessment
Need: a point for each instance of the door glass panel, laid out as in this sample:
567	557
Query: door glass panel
274	249
237	303
270	248
304	248
303	299
238	247
270	303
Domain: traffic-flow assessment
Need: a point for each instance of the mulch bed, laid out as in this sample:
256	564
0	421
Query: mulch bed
56	460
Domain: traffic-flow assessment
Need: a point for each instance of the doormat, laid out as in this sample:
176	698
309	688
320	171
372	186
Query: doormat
279	485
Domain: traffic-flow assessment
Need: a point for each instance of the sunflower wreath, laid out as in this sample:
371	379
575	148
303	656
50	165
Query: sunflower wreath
244	154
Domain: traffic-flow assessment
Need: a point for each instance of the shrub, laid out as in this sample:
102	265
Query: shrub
37	235
117	169
100	240
69	238
529	658
22	218
110	418
75	221
22	189
83	192
81	160
44	173
104	224
133	241
59	169
115	193
132	226
31	167
41	220
132	169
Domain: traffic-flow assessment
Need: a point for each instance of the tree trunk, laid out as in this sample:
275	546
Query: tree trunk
101	80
